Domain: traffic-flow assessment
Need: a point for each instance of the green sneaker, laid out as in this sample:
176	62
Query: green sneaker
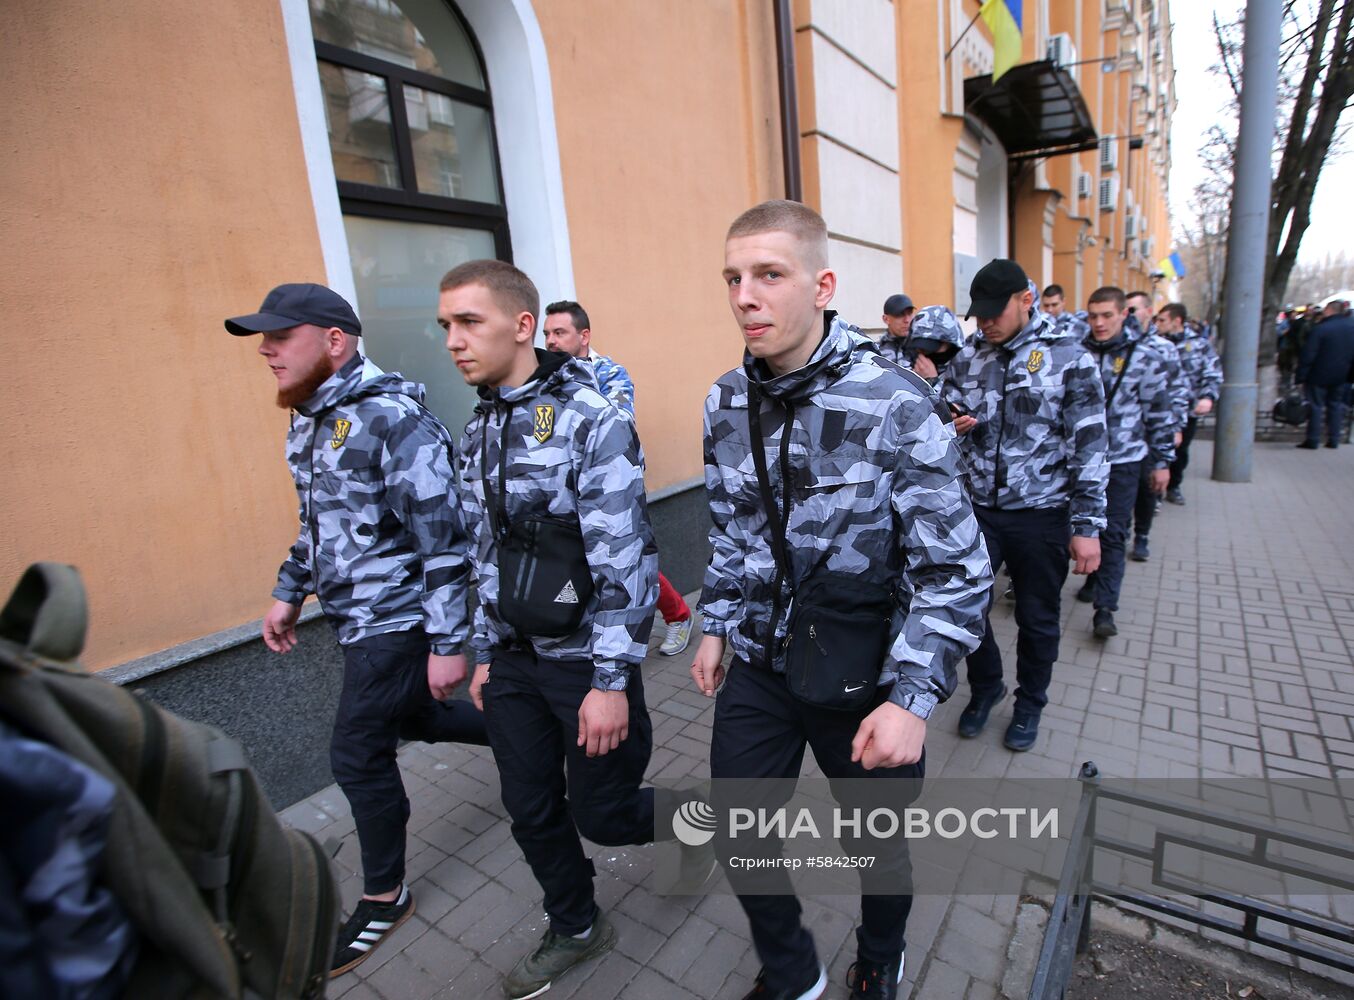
554	956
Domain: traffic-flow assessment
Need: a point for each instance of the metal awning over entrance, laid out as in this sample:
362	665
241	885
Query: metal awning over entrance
1035	109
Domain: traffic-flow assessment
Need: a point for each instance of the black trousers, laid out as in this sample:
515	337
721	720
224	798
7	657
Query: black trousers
1145	506
552	789
1181	462
385	699
1121	493
1033	545
760	732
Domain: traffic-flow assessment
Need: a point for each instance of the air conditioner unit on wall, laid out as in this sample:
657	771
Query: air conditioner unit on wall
1130	227
1109	194
1061	52
1109	154
1084	184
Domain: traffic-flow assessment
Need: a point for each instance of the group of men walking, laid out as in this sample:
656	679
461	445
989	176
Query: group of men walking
859	497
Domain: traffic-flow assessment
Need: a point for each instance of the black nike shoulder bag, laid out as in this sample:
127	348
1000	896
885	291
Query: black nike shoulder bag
544	581
840	625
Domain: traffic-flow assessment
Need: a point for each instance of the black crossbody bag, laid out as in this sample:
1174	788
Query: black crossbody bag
544	581
840	625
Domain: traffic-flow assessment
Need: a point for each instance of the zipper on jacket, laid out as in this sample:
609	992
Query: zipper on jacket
783	464
1001	429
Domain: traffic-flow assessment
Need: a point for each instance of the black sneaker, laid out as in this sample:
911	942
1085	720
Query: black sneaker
1173	495
1140	551
1087	592
370	924
1309	445
1022	732
974	717
760	991
1331	444
874	980
556	955
1103	624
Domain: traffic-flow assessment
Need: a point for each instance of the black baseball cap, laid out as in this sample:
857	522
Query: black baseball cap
896	305
993	286
291	305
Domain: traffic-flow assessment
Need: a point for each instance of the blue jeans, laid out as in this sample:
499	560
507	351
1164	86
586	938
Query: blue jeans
1328	404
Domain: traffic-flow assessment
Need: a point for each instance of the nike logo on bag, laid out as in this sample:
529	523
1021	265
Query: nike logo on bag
853	690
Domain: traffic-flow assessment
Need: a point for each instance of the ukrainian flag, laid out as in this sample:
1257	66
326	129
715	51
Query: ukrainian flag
1172	266
1003	20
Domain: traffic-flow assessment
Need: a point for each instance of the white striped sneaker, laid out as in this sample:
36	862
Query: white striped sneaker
370	924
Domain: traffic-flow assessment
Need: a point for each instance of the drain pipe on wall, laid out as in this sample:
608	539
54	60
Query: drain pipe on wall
789	101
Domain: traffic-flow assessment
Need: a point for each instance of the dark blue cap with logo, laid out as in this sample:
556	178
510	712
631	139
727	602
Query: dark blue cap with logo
896	305
292	305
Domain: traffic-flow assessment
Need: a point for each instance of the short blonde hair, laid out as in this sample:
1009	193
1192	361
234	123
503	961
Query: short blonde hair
779	216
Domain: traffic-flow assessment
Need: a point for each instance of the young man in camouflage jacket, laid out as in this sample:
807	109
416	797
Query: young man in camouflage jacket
383	548
862	456
1203	370
1141	426
1030	410
566	715
568	330
1141	321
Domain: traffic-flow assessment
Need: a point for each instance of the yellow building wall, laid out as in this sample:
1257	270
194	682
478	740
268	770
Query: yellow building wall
668	129
145	183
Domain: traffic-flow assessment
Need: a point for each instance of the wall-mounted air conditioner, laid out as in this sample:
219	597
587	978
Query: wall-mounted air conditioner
1130	227
1109	194
1061	52
1085	184
1109	154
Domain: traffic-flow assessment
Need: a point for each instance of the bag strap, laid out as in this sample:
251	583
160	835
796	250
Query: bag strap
1128	358
496	507
777	521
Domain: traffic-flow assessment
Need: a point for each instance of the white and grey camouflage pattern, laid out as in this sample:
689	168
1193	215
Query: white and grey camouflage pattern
1176	380
1139	419
373	471
1201	365
1040	441
572	453
876	492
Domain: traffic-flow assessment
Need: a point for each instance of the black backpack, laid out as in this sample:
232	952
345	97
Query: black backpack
226	901
1292	409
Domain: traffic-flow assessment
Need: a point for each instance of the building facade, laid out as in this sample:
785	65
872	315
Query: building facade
169	163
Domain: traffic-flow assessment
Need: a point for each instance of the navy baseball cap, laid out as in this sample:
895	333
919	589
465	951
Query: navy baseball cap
993	286
896	305
291	305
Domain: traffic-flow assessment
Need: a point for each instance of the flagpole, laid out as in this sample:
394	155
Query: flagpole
963	33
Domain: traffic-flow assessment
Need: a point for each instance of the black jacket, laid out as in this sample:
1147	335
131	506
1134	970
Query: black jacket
1328	354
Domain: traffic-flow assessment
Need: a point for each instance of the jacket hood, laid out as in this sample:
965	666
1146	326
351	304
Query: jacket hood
358	378
1040	327
553	372
1123	338
841	345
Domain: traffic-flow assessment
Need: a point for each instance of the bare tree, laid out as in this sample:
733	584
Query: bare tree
1316	75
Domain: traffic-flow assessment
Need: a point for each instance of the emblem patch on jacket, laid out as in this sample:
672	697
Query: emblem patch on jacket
1118	365
544	426
567	594
1036	362
341	429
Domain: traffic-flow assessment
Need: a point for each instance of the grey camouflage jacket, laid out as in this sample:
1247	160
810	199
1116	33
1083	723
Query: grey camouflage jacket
571	453
1138	414
378	518
895	349
1202	367
875	492
1040	440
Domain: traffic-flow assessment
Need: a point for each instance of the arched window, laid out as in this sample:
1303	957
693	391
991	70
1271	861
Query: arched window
411	135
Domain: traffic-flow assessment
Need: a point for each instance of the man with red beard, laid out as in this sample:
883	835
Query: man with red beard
383	547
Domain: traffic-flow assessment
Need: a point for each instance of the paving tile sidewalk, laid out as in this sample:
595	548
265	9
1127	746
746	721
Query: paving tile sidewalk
1234	658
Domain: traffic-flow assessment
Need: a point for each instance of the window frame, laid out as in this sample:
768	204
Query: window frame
406	203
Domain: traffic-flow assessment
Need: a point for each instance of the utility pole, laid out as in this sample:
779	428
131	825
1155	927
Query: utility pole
1246	242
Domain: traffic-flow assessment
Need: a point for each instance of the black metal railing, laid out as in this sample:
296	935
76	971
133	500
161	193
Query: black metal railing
1068	931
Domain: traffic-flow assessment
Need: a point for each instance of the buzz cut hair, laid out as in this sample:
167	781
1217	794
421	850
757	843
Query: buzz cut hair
512	290
1140	295
1176	310
780	216
1109	293
1053	290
